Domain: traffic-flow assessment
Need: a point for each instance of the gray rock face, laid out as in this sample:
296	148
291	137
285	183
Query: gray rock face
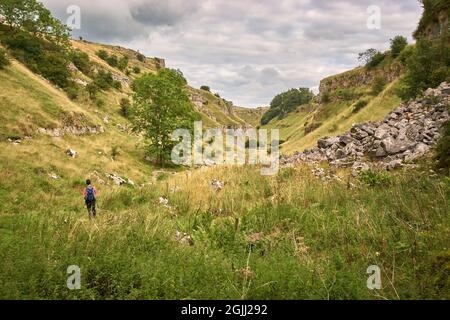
405	135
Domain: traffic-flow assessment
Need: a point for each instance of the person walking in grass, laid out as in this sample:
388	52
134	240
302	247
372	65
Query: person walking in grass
90	197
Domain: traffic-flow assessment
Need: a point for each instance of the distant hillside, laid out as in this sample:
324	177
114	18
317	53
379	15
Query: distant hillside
344	99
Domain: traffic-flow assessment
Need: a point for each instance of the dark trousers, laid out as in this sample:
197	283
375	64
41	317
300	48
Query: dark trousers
91	209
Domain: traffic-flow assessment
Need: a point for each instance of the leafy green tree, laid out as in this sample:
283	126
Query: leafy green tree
92	90
366	56
398	44
122	64
102	54
205	88
161	105
427	67
33	17
136	70
376	60
287	102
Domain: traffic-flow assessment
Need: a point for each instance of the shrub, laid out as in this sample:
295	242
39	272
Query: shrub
72	92
81	61
113	61
443	149
205	88
361	104
427	67
117	85
405	54
115	152
398	44
136	70
372	178
378	85
140	57
92	90
376	60
104	80
3	59
125	107
100	103
122	63
102	54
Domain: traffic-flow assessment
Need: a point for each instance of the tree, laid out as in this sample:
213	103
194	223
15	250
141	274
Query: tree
427	67
125	107
33	17
161	105
376	60
205	88
366	56
397	45
92	90
286	102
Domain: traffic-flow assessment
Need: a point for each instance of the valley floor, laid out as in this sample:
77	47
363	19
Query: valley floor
290	236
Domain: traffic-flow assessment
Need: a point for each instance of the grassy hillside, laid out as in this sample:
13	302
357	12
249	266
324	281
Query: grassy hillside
284	237
350	99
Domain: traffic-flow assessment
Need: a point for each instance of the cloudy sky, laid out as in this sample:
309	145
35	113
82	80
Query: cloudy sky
248	51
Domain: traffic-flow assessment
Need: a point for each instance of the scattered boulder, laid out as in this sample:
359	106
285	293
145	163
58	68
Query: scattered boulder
116	179
71	153
53	176
164	201
217	185
406	134
184	239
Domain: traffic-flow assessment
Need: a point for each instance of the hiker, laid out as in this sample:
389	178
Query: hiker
90	197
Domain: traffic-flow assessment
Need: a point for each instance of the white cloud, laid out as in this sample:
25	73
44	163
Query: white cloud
248	51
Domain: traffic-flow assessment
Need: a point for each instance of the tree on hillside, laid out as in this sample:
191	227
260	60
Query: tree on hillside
205	88
286	102
398	44
32	16
366	56
160	106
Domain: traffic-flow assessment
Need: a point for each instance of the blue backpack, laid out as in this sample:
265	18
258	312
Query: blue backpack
90	195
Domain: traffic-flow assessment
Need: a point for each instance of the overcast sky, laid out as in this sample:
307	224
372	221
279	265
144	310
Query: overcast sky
248	51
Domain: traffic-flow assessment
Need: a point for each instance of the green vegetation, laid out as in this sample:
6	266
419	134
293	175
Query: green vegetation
81	61
287	102
378	85
161	106
205	88
125	106
427	67
398	44
113	60
360	105
285	237
432	8
3	59
443	150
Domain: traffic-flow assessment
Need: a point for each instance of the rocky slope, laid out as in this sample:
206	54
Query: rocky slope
405	135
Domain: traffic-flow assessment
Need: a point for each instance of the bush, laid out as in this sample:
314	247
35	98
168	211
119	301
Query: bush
3	59
205	88
102	54
125	107
100	103
398	44
136	70
81	61
140	57
287	102
92	90
373	179
40	56
123	63
378	85
117	85
104	80
405	54
376	60
361	104
72	92
427	67
443	149
113	61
